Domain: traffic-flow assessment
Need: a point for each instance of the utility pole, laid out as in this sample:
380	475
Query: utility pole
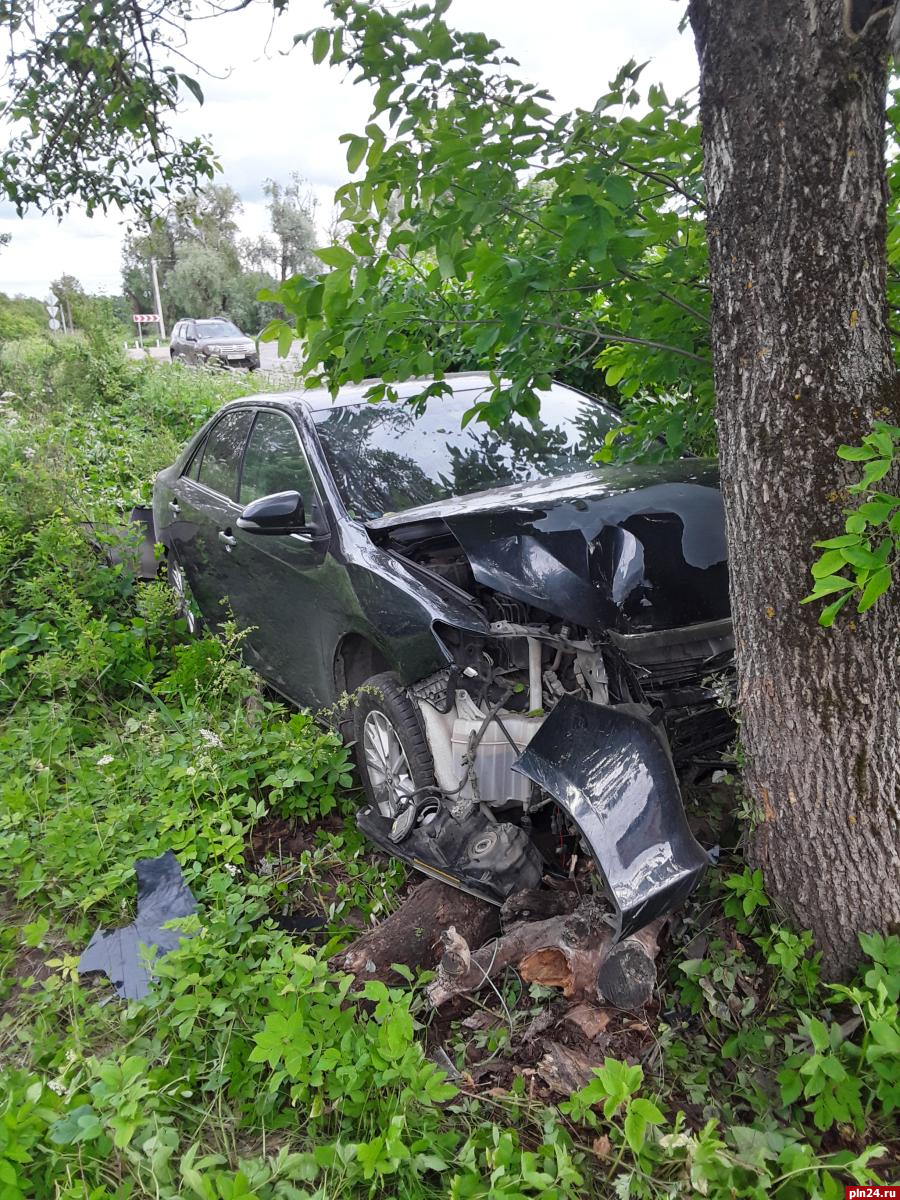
159	311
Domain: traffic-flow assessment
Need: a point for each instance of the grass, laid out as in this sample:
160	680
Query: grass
253	1068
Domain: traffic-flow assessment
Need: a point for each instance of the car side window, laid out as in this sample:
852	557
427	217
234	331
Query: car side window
274	462
220	466
193	470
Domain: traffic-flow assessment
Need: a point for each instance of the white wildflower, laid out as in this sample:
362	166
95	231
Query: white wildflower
231	869
57	1085
190	770
211	739
105	760
29	452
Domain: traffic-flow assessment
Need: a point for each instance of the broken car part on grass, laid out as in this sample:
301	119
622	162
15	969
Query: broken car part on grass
123	955
537	649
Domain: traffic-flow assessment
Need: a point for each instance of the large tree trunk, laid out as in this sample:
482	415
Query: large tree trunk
792	110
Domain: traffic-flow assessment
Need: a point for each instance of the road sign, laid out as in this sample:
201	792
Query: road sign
52	309
54	324
144	318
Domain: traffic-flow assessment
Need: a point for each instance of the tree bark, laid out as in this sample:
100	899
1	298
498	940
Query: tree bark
412	934
792	107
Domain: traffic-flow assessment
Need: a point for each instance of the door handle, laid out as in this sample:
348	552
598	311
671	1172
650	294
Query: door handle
227	540
174	506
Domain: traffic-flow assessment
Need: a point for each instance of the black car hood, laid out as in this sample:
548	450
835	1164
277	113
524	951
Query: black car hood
630	547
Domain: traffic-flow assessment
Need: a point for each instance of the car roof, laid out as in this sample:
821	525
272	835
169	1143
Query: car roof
321	400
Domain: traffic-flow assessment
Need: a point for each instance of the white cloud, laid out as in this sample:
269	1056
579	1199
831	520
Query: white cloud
275	112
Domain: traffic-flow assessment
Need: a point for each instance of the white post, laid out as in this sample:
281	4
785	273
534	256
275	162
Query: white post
159	311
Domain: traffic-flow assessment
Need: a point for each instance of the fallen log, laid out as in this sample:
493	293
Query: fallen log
411	935
626	976
572	951
565	1069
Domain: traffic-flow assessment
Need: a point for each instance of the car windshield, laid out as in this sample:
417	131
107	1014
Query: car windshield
220	329
387	458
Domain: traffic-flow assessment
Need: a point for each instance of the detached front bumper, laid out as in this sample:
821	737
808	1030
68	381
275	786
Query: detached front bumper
610	770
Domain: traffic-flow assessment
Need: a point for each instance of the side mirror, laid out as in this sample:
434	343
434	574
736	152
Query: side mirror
279	513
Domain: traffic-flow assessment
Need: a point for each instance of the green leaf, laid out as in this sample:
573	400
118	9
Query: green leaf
356	152
858	556
826	585
844	539
827	615
620	191
856	453
336	256
321	45
828	564
873	472
878	583
193	86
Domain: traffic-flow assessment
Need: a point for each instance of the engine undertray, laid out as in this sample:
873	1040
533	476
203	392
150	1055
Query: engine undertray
470	850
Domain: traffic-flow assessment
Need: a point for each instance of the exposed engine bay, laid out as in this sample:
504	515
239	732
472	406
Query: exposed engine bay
556	743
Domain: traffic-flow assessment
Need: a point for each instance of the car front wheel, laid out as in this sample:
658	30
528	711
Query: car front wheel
392	755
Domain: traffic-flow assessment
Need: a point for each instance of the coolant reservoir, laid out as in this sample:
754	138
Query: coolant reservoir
497	782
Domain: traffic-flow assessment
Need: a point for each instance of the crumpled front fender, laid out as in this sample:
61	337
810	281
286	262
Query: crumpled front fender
611	772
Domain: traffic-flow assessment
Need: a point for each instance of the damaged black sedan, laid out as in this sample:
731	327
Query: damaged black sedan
535	647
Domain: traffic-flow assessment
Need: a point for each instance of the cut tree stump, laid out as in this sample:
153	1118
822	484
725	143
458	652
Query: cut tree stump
572	951
626	976
412	934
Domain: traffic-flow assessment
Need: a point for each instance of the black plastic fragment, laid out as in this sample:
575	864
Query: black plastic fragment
163	896
611	772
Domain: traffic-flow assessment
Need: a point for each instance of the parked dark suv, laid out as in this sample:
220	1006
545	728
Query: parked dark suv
536	646
216	340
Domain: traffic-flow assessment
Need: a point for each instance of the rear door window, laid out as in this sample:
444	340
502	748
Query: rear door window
221	465
193	469
275	462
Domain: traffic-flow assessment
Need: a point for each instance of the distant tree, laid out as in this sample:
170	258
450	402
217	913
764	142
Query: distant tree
199	264
292	210
153	241
70	294
20	317
210	218
199	283
289	248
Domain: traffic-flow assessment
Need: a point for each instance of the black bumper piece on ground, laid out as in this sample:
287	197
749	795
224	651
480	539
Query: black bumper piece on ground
610	770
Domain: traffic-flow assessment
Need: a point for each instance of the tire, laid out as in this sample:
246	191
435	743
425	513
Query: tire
187	608
383	709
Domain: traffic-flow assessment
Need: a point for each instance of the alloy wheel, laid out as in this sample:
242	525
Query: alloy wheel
386	764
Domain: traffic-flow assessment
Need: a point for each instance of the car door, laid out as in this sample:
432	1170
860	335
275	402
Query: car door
286	582
205	511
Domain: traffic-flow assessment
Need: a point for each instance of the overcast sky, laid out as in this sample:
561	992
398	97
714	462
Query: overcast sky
271	113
